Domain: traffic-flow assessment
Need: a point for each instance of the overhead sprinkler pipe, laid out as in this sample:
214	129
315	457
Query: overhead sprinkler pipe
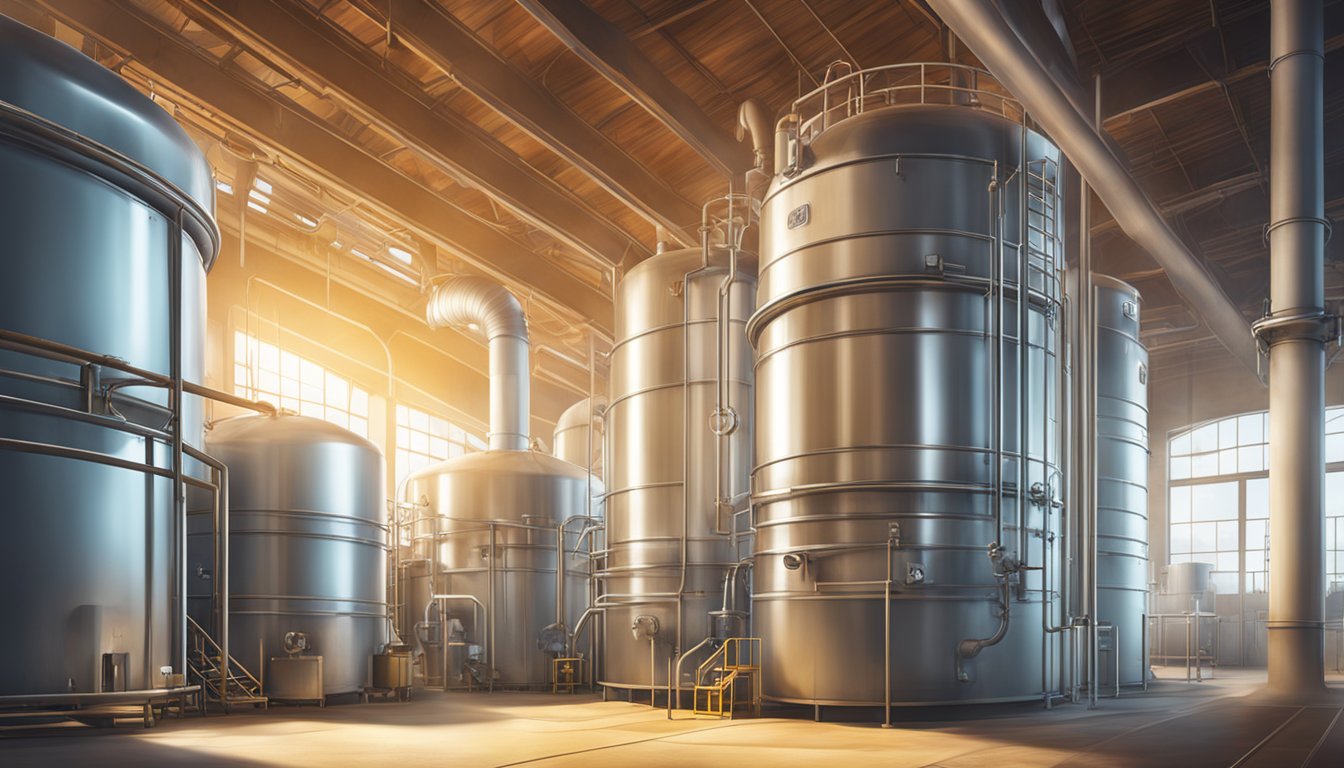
483	305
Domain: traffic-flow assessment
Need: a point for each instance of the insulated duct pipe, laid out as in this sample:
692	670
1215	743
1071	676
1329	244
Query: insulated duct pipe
486	306
981	25
1295	331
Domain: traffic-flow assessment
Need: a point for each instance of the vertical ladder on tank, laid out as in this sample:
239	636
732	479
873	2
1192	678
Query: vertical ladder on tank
1043	222
205	664
1044	242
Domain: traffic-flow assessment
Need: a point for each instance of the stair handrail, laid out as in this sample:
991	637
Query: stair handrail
227	663
719	653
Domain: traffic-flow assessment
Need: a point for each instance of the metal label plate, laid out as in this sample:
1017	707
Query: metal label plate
800	216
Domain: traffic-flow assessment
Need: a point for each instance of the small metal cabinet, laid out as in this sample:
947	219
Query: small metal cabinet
296	678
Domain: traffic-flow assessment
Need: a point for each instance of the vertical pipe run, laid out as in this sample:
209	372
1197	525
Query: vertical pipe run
179	512
1084	427
1295	331
490	613
1090	289
488	307
1023	355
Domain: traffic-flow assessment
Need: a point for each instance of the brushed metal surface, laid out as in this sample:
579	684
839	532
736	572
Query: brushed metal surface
875	406
658	450
571	440
307	543
580	438
457	501
85	263
1122	475
485	306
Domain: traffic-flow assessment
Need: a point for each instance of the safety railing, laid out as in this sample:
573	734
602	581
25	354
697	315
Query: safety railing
908	84
224	680
735	664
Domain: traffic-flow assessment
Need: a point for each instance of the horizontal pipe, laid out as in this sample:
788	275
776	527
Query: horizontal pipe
991	38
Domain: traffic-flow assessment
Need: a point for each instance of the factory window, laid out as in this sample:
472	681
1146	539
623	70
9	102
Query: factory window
1218	500
423	439
263	371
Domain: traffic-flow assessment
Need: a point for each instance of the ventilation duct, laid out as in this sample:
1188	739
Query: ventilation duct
483	305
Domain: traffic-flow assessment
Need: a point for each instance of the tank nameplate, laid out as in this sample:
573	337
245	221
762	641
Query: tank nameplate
800	216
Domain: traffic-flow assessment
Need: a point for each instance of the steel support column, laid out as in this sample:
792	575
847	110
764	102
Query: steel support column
1295	332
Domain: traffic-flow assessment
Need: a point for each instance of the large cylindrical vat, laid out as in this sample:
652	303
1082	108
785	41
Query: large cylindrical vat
94	177
307	543
891	416
1122	476
485	525
669	551
580	434
579	438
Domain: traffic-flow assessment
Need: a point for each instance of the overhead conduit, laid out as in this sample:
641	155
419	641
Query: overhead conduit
986	30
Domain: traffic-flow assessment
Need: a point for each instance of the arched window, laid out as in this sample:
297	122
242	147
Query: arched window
1218	499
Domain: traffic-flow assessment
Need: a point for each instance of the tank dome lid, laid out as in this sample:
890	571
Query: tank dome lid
283	429
47	78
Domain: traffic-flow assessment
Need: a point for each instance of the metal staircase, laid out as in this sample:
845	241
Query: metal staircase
227	685
730	679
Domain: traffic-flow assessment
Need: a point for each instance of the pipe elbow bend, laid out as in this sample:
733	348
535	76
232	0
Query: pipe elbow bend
467	301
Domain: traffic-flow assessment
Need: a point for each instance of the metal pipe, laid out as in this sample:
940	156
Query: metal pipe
886	633
490	611
1089	289
1295	332
443	634
676	673
996	394
560	575
982	27
969	649
686	431
224	397
1144	651
484	305
1024	350
179	496
583	621
220	473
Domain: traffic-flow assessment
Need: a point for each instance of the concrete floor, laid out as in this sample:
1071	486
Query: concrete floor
1214	723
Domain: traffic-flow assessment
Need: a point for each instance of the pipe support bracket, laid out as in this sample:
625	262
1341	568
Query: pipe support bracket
1313	325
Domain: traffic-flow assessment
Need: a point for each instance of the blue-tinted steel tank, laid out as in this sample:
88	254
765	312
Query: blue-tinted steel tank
95	175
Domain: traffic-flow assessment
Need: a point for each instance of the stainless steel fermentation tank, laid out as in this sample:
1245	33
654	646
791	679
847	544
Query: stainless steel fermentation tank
307	544
580	438
676	472
1122	479
580	434
485	527
907	445
105	200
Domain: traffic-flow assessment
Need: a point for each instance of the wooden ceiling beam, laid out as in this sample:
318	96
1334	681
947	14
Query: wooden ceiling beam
287	33
1177	75
311	144
444	41
611	54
